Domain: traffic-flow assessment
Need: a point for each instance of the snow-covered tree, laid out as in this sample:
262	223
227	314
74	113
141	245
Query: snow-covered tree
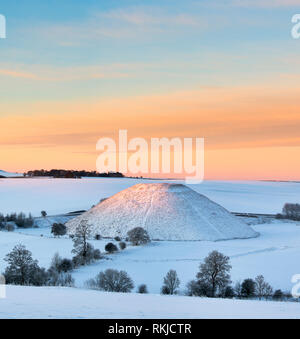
58	229
81	247
22	269
112	281
171	283
138	236
214	272
262	288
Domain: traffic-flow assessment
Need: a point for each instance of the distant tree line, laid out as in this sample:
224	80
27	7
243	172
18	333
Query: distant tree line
290	211
61	173
9	221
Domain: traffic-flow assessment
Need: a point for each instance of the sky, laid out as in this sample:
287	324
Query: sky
228	71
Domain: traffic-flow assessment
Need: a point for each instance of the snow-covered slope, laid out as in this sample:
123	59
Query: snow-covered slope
57	302
9	175
167	212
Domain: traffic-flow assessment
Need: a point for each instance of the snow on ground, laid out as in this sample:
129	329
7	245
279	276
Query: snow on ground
45	302
275	254
58	196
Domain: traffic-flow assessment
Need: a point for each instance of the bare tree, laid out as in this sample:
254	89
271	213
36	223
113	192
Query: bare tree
171	282
215	271
238	289
81	247
262	288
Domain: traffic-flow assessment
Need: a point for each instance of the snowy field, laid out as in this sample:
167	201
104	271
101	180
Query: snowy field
275	254
45	302
58	196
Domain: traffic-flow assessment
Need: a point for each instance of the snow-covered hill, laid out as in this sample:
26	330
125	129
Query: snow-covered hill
167	212
9	175
46	302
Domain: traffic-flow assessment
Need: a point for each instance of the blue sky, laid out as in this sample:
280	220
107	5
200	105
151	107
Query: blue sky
100	48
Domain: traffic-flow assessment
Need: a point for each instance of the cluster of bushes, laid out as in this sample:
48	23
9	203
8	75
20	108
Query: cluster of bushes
10	221
137	236
22	269
290	211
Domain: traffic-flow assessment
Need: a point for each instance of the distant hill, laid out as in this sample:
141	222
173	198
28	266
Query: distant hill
4	174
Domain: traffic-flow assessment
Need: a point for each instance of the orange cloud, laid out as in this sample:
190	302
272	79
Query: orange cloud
16	74
242	128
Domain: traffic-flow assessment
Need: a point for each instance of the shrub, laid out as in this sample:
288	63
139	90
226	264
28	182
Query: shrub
58	229
111	248
171	282
138	236
228	292
142	289
248	288
65	265
90	255
39	277
111	281
57	275
60	279
97	237
97	254
165	290
122	245
117	239
198	289
43	214
9	227
278	295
